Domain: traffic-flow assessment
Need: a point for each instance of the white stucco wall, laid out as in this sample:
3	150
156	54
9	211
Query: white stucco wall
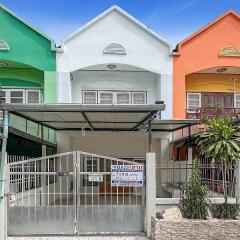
121	144
111	80
143	50
113	144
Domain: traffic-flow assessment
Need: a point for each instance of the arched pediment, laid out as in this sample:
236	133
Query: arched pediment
229	52
115	49
3	46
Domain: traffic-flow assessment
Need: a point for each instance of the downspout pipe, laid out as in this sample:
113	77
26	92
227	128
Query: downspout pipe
3	151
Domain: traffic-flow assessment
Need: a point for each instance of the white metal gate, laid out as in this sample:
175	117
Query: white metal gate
72	193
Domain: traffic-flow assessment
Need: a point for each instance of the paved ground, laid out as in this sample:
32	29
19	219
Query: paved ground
81	238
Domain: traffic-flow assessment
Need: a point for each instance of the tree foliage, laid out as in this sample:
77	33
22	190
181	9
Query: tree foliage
193	201
220	141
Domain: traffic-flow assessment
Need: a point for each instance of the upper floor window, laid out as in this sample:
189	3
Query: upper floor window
237	100
2	96
193	101
33	96
123	98
18	96
114	97
90	97
105	97
139	98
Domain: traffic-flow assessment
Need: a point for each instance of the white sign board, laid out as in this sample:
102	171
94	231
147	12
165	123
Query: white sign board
95	177
127	175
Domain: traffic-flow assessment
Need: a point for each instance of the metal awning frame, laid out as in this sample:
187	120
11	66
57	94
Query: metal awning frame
176	124
149	110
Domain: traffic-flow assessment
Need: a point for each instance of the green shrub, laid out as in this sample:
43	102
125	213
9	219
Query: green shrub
193	202
230	211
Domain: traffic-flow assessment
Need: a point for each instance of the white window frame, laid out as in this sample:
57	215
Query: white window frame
6	97
116	100
145	98
87	91
108	92
200	101
25	95
33	90
17	90
235	99
115	95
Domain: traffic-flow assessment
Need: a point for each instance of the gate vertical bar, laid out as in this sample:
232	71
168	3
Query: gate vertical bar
76	176
43	169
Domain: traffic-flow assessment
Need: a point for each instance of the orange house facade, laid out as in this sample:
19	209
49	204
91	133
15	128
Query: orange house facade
206	70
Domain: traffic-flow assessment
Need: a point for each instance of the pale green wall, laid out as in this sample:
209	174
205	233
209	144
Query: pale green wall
50	93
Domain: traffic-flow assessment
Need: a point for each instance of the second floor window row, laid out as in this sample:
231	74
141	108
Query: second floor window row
194	101
30	96
114	97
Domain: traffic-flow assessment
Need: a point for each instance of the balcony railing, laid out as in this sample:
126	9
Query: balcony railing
212	112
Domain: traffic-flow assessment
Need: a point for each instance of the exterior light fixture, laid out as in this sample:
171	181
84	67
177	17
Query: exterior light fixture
221	70
71	77
3	64
111	66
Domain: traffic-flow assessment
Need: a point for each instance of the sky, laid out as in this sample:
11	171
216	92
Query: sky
173	20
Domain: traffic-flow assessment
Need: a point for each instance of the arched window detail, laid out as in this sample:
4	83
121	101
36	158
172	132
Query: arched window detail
3	46
114	48
229	52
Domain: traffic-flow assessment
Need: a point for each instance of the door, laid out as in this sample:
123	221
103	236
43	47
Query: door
226	100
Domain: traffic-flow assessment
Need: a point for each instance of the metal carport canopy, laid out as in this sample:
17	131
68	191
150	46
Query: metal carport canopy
93	117
172	125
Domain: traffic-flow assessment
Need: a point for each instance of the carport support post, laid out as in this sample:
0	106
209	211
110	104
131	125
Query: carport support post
150	189
150	135
3	198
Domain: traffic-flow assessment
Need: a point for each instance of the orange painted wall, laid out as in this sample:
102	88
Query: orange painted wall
199	82
201	52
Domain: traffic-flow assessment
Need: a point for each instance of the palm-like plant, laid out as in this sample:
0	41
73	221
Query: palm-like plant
221	142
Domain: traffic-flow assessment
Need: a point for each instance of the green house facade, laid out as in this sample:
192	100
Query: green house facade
27	62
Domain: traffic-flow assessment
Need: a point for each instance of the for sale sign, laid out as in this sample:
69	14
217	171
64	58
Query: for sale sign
127	175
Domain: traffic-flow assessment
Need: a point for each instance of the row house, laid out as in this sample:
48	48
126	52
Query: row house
206	70
114	93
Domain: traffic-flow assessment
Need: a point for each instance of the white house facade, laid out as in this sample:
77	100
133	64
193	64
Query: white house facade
112	120
115	59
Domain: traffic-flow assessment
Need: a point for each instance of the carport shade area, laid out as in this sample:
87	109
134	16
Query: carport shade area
100	200
88	117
